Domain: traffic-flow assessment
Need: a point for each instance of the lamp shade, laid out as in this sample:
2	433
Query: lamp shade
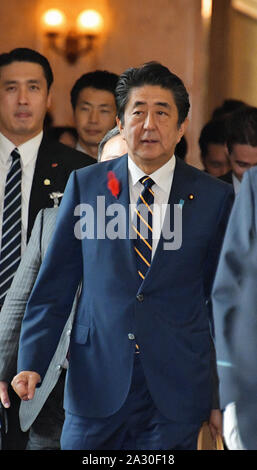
90	22
53	20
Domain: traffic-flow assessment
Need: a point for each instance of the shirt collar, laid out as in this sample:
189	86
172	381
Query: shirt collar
161	177
80	148
28	150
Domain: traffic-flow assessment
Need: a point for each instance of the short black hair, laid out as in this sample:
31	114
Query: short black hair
24	54
229	105
181	148
242	127
152	73
213	132
99	79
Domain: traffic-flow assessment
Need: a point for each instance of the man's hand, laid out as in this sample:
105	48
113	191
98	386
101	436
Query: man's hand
24	384
215	423
4	397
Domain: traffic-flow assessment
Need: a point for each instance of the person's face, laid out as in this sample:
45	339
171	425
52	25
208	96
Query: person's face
24	100
216	161
150	126
114	148
242	158
94	115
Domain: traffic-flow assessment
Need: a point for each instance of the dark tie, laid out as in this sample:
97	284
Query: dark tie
11	226
142	225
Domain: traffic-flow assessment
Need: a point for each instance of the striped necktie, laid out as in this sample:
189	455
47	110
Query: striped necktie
11	226
142	225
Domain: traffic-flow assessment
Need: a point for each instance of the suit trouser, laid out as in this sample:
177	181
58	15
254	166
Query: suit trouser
15	439
138	425
45	432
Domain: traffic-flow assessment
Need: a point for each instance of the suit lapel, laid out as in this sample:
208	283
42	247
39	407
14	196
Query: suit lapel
120	169
43	183
181	189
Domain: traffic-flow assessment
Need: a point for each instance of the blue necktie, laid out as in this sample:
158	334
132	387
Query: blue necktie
11	226
142	225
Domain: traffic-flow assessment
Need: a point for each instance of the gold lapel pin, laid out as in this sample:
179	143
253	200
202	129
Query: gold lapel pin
191	197
47	182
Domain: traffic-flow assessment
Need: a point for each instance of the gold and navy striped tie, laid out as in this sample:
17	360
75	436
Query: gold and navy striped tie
142	225
11	227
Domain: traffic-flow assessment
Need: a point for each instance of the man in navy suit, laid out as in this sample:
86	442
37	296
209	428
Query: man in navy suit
142	371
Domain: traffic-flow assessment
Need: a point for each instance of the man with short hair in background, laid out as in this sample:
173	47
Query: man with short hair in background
94	108
241	144
112	146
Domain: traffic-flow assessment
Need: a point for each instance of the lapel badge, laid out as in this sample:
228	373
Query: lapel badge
191	197
47	182
113	184
55	196
54	165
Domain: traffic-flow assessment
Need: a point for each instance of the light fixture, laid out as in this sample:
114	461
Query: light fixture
206	9
89	26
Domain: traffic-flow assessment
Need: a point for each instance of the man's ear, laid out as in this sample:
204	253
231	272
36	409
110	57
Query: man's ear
49	98
182	129
120	126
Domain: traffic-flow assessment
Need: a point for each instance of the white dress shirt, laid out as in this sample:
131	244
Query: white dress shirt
162	178
28	152
79	147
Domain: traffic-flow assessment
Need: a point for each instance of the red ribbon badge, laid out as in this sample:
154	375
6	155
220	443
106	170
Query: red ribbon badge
113	184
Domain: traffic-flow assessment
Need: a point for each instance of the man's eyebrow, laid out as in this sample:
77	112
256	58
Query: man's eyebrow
87	103
164	104
31	80
139	103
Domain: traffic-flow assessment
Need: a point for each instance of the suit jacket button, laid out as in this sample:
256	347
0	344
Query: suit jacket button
131	336
140	297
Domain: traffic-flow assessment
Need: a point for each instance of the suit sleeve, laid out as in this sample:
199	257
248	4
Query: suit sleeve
210	269
244	352
15	303
52	296
225	295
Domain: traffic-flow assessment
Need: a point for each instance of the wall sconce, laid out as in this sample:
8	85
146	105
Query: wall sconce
89	25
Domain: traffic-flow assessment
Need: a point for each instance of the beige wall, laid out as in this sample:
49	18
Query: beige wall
242	58
233	56
135	32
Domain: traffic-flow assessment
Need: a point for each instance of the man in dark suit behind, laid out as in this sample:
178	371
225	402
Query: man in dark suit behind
142	370
25	95
241	144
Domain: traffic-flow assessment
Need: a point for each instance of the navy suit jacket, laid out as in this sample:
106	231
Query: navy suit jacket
168	313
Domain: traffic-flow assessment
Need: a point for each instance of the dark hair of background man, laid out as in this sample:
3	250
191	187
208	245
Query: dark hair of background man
242	127
100	80
23	54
